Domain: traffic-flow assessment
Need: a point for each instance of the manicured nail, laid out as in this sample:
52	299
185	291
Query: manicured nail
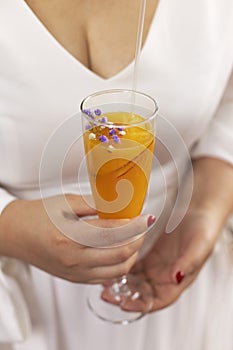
151	220
179	277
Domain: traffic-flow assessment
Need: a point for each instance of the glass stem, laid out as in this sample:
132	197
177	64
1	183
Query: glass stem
120	287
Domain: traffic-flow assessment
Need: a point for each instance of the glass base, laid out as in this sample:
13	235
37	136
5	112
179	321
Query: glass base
113	303
107	311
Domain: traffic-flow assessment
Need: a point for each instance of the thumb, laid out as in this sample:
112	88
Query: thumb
106	232
82	205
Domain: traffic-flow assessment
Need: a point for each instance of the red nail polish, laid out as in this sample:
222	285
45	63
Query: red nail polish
151	220
179	277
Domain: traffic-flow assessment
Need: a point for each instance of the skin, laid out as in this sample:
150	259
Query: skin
90	30
27	233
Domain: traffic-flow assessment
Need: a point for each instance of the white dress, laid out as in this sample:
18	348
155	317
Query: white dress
186	64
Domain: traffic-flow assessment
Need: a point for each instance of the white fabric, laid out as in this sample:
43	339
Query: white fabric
6	198
218	137
14	320
185	64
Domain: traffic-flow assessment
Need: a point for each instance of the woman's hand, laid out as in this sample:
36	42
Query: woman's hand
176	259
27	233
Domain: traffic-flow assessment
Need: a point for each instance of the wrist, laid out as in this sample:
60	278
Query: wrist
10	233
212	189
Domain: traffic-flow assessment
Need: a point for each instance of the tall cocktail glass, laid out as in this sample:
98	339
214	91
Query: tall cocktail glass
119	139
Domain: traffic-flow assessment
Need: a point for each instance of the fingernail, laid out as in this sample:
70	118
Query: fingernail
151	220
179	277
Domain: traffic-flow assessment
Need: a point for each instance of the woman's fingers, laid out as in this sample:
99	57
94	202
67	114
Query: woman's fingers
81	205
100	264
165	295
101	273
73	220
192	258
112	256
113	271
38	225
107	232
176	259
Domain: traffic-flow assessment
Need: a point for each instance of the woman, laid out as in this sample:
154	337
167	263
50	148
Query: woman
53	55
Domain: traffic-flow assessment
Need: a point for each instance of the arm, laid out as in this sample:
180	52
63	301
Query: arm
176	258
28	235
213	189
210	206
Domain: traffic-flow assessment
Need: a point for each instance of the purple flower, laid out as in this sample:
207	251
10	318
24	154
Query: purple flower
103	139
116	139
120	129
103	119
112	132
88	126
87	111
97	111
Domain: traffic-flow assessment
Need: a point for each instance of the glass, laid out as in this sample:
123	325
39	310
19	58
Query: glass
119	137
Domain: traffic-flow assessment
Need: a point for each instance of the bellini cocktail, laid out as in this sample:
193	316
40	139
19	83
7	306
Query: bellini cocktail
119	149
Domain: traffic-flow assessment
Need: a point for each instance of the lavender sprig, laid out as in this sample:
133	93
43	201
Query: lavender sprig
98	112
103	119
103	139
113	132
116	139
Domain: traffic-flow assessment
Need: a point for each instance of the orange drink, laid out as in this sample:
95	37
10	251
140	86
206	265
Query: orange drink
119	151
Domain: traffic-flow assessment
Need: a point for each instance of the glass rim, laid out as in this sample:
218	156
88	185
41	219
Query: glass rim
109	91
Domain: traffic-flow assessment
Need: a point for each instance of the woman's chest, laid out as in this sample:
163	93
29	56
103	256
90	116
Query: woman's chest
185	63
100	34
